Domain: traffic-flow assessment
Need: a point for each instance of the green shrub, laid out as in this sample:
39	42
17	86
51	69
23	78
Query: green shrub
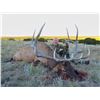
90	41
11	39
28	39
97	42
81	41
42	40
62	40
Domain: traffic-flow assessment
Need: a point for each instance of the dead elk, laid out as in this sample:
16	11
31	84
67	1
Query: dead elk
40	51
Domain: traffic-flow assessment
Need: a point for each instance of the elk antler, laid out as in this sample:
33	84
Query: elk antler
33	35
55	56
76	46
68	34
88	53
39	33
61	59
76	50
69	40
65	58
33	39
76	41
36	39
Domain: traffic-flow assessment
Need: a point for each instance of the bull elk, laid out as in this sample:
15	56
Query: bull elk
48	55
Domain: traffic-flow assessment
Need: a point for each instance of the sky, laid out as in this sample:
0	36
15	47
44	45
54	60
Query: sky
25	24
0	24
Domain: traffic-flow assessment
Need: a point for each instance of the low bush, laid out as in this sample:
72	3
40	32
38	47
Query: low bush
28	39
62	40
97	42
90	41
81	41
11	39
42	40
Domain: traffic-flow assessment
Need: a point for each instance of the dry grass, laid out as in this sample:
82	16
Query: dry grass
25	74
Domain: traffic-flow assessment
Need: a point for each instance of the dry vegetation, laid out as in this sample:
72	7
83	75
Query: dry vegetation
27	74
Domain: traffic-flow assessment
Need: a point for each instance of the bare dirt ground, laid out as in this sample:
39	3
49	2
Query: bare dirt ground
23	74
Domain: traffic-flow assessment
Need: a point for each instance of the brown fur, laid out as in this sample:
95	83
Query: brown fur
26	53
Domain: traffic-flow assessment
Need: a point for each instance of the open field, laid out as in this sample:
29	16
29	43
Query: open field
20	73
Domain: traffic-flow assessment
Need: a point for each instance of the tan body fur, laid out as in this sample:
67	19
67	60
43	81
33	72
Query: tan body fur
26	54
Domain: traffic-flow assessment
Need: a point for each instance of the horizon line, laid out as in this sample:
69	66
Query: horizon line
51	37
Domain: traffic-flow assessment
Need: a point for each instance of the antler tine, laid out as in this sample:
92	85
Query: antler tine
80	57
69	40
76	46
76	32
33	35
40	31
73	58
76	41
35	42
88	54
64	59
68	34
54	56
